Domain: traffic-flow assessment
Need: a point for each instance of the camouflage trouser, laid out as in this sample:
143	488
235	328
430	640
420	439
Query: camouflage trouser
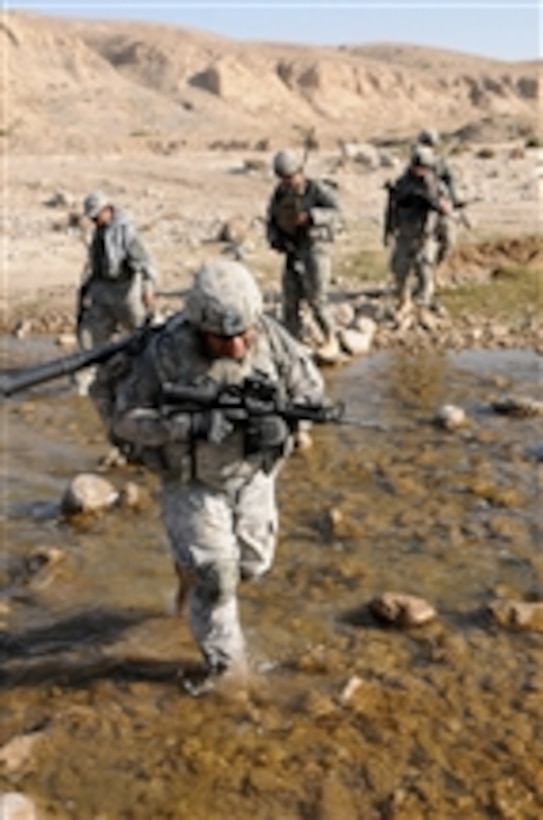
446	237
112	305
412	254
220	537
306	276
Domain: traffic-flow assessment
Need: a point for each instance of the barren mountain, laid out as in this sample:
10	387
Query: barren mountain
87	87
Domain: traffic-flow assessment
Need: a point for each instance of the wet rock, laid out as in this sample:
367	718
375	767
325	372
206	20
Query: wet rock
130	496
519	406
518	614
66	340
22	329
88	493
450	417
354	342
344	313
401	609
16	806
17	752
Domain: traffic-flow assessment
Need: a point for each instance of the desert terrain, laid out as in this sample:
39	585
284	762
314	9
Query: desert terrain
180	128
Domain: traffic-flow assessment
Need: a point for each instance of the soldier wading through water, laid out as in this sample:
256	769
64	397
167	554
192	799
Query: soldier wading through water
218	472
301	219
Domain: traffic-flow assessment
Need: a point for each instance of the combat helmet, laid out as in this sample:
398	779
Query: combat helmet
428	136
423	156
224	299
286	163
94	203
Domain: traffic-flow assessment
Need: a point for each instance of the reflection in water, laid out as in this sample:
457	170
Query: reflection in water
445	721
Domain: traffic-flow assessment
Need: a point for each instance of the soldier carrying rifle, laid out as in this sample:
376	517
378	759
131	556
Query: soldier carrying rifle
301	220
416	202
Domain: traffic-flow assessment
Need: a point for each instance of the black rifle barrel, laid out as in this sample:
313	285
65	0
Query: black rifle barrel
11	383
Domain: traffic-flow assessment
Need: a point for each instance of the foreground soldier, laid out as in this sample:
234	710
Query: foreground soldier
118	290
218	494
416	202
301	218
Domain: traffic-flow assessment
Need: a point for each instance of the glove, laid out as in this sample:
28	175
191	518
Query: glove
211	425
265	433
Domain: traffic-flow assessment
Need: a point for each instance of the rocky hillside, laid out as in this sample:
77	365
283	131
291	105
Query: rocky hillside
82	87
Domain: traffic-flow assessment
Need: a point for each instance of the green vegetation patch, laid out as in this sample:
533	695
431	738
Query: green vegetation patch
510	292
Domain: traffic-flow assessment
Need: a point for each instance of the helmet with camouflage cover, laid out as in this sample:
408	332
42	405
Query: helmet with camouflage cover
423	157
286	163
95	202
224	299
428	136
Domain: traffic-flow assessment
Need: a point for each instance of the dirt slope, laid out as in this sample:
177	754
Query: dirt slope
85	87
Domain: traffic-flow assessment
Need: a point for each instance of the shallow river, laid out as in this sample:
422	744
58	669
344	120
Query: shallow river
445	721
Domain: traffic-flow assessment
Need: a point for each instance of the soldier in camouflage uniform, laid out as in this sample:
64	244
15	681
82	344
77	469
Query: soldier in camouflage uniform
118	289
415	203
301	217
445	226
218	474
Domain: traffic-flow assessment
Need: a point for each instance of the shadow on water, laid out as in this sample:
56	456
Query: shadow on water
69	653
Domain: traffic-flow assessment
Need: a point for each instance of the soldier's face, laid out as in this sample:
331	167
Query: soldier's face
103	217
230	347
295	182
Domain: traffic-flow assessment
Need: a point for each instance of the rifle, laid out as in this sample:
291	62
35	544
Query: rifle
257	396
18	381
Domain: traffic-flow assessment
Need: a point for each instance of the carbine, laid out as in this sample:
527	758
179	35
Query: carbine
256	396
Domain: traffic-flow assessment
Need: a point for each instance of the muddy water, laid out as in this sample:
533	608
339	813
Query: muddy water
445	721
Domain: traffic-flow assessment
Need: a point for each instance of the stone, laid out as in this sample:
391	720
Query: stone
16	806
401	609
450	417
519	406
88	493
354	342
518	614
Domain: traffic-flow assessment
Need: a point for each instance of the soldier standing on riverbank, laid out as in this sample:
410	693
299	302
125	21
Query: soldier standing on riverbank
416	201
301	219
445	226
118	289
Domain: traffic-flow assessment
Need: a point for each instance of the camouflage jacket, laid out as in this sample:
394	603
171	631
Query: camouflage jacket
317	200
414	203
117	253
176	355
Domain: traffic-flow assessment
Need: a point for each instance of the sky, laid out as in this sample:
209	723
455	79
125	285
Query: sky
502	30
